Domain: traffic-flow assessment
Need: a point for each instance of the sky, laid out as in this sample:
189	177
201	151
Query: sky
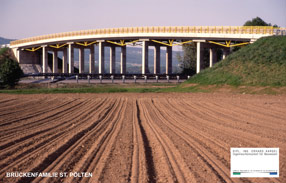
27	18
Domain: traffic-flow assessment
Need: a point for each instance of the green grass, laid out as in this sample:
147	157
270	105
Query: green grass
262	63
103	89
149	88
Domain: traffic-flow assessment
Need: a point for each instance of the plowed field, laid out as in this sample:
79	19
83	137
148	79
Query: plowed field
136	137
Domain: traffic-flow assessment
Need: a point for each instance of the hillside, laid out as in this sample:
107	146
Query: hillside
5	41
262	63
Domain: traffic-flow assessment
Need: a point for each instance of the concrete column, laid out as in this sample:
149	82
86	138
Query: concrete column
81	60
71	58
45	59
123	60
91	60
157	59
198	57
169	60
18	55
145	69
65	59
211	57
55	62
112	60
101	58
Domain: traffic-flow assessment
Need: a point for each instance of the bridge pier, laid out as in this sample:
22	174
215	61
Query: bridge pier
17	53
81	60
112	60
71	57
101	57
91	60
123	60
55	61
45	58
157	59
65	60
198	57
200	54
169	60
213	56
145	69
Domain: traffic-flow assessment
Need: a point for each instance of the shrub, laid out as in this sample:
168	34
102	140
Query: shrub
10	72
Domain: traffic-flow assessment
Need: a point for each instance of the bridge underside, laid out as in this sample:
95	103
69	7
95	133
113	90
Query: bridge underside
38	54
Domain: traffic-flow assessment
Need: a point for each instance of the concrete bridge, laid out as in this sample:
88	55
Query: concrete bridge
34	50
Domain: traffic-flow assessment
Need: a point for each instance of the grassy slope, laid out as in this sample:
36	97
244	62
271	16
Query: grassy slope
262	63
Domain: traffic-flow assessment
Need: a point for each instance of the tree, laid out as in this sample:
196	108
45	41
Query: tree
257	22
10	71
188	59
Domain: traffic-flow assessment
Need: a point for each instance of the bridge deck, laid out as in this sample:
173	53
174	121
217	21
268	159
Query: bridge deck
179	32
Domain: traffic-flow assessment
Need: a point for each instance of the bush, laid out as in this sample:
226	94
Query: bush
10	72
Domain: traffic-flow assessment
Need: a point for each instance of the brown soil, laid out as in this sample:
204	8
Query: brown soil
137	137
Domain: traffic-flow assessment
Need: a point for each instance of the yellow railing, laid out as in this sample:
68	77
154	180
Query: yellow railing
170	29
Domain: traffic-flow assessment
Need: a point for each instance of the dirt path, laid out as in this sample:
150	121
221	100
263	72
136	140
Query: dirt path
136	137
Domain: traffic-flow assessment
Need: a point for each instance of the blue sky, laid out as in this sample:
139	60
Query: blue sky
27	18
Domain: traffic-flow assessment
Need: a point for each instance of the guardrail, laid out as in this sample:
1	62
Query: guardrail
108	76
171	29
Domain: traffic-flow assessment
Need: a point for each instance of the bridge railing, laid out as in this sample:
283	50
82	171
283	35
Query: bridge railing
171	29
280	32
108	76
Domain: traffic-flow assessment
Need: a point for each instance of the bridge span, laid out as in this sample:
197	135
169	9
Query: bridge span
34	50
